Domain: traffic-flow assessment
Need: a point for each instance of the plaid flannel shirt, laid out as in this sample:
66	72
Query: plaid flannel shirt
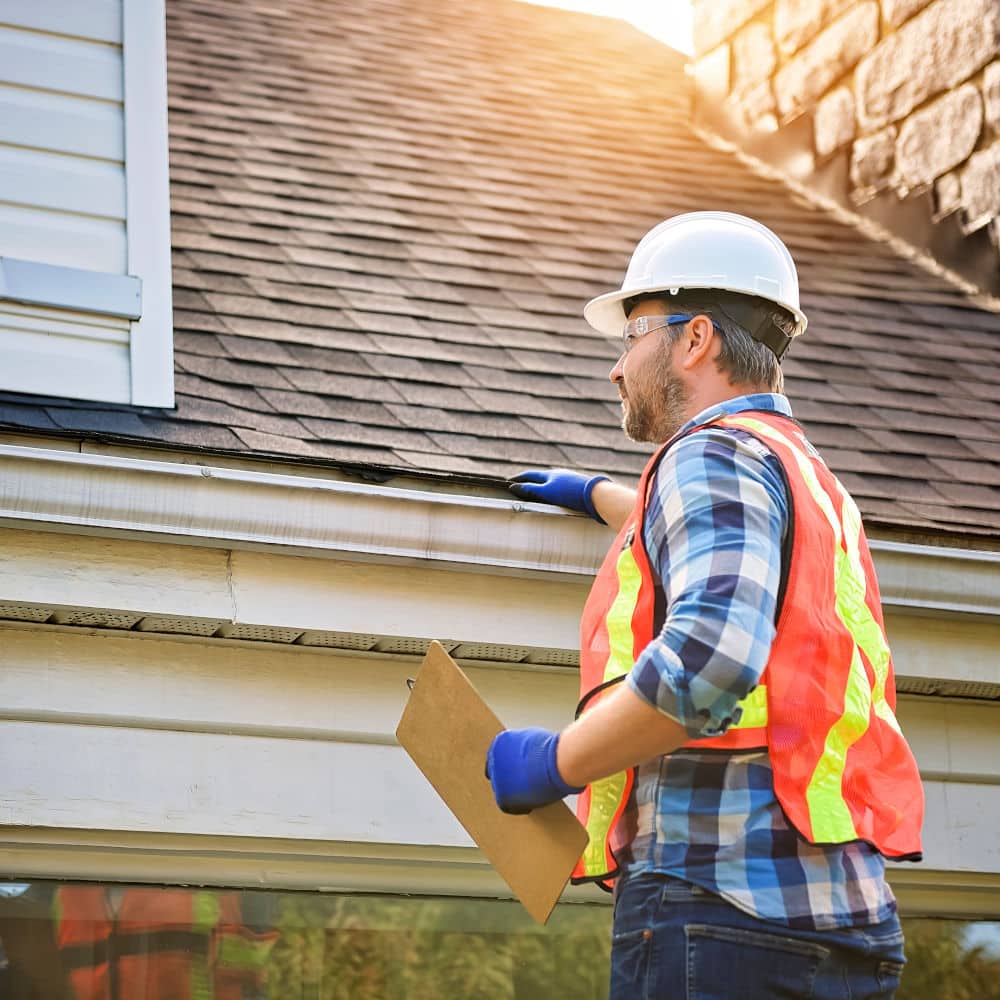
714	528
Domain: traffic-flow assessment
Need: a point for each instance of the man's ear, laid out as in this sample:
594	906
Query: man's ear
701	343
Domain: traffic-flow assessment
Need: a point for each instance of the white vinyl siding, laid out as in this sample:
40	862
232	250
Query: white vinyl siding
42	347
71	196
203	669
265	733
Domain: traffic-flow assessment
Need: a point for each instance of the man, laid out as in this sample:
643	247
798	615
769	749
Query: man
740	768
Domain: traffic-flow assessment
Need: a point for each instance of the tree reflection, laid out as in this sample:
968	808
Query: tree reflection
337	948
941	966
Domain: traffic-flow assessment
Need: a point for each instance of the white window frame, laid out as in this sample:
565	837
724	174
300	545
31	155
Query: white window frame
147	193
143	295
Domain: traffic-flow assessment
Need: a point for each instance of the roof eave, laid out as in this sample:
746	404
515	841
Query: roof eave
310	515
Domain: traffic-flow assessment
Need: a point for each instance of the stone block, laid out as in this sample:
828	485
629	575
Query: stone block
981	188
715	21
872	159
796	21
833	123
754	57
824	60
938	48
994	232
711	75
896	12
947	195
754	107
991	96
939	136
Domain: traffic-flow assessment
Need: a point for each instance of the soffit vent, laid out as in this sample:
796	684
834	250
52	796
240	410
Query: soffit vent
490	651
171	625
948	688
97	619
554	657
26	612
259	633
400	646
212	628
338	640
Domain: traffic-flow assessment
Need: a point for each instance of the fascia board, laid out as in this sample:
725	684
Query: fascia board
304	515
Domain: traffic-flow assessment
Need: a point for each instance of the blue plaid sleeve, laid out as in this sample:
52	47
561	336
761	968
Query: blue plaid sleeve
714	527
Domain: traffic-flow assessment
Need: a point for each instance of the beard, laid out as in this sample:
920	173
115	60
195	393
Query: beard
654	407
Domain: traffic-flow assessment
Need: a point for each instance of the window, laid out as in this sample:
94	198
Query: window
58	939
85	303
152	942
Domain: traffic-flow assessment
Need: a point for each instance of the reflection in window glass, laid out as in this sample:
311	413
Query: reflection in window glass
951	960
91	941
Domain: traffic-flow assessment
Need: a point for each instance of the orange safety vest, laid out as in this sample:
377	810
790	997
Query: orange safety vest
825	705
174	944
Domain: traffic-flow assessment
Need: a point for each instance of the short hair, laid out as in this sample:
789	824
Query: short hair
745	360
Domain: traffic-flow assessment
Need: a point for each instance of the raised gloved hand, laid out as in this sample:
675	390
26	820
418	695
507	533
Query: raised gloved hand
562	487
521	766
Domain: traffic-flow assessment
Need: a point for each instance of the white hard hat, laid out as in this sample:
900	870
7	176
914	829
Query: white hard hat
717	250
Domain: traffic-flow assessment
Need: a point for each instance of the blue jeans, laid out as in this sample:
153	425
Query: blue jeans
676	941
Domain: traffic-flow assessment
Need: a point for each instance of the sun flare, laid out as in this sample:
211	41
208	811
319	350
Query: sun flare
667	20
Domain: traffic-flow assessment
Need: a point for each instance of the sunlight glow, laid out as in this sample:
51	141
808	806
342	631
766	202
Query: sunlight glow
667	20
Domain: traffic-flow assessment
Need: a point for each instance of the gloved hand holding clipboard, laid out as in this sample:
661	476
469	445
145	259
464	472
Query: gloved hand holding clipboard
447	728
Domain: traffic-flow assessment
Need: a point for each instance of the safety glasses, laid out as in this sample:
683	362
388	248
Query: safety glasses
635	329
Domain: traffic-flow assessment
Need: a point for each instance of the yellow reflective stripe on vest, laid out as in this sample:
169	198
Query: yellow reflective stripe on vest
863	625
828	812
605	797
606	794
754	709
618	620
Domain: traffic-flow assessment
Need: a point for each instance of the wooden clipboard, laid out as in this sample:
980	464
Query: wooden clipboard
446	728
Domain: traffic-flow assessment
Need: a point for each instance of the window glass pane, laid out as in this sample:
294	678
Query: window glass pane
115	942
951	960
119	942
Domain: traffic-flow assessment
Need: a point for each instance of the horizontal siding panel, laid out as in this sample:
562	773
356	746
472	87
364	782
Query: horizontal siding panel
960	826
180	580
408	600
73	363
62	183
72	66
924	647
213	686
154	682
61	123
97	20
92	777
130	779
63	239
63	323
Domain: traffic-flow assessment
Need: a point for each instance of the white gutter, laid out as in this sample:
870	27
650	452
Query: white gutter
302	515
299	515
929	578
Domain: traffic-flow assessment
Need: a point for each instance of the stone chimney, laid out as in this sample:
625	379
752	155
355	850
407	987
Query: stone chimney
890	108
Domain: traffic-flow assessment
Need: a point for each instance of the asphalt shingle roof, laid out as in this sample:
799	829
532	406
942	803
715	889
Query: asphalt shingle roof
388	214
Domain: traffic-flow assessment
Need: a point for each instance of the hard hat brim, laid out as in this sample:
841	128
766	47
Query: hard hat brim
606	313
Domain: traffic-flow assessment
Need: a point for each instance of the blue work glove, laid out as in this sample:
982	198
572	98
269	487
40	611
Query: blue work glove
521	766
561	487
